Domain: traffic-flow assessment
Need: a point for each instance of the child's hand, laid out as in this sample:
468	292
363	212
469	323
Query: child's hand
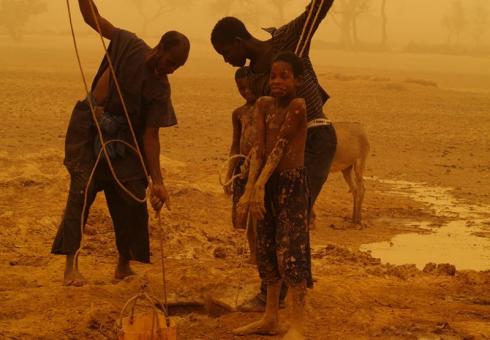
228	189
257	205
242	210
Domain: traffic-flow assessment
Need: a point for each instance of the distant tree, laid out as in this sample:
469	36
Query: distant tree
152	10
384	23
479	20
279	8
345	16
246	10
15	14
455	21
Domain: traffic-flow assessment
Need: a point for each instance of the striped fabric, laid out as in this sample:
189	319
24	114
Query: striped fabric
285	39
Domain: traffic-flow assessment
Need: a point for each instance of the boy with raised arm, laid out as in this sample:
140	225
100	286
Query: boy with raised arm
142	74
280	197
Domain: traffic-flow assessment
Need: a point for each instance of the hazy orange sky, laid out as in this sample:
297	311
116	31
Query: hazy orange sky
409	20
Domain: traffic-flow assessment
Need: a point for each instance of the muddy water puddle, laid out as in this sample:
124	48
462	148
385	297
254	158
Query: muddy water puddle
458	242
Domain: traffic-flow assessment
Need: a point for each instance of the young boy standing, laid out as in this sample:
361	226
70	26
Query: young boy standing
280	197
243	140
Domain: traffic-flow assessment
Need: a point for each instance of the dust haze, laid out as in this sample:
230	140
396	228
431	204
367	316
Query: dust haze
419	36
414	73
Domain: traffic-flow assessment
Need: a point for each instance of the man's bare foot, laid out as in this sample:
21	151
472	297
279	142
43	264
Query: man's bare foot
123	270
293	334
261	327
73	278
256	305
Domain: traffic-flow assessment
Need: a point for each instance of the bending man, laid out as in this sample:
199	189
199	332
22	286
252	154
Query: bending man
142	74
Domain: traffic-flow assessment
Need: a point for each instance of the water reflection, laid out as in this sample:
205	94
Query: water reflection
456	242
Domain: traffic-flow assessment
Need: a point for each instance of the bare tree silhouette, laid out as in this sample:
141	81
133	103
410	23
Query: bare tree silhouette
152	10
15	14
479	20
279	8
455	21
384	24
243	9
345	16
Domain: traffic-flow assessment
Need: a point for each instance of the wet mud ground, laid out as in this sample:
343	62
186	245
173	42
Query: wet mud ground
430	136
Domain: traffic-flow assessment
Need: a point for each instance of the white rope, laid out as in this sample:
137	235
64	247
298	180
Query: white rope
103	151
234	177
302	44
104	144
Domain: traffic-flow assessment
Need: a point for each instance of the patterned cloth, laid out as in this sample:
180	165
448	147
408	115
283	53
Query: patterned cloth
283	245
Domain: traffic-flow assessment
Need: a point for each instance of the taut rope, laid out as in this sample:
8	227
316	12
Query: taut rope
104	145
303	42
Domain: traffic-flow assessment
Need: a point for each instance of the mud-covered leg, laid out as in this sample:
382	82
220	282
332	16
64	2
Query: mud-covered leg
72	276
68	237
251	237
123	268
270	320
297	296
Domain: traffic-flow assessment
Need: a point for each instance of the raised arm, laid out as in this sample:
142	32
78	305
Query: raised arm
294	118
106	28
291	32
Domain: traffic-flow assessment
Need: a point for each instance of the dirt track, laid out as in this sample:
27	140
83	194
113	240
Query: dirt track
418	133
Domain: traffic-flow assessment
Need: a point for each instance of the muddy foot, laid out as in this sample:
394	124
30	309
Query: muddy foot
256	305
123	271
262	327
293	334
253	305
74	279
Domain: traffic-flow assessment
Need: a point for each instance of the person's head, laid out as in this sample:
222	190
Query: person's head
171	53
242	83
228	37
286	74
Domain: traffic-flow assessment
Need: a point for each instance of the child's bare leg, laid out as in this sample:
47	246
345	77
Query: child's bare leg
123	269
72	276
270	320
297	300
312	219
251	241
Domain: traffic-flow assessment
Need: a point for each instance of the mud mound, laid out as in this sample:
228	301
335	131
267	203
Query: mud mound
404	272
422	82
444	269
337	254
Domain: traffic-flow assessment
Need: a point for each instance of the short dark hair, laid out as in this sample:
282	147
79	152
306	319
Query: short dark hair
293	60
242	72
171	39
227	30
168	41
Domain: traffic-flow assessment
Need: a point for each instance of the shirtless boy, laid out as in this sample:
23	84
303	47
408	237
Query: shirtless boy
280	197
243	139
